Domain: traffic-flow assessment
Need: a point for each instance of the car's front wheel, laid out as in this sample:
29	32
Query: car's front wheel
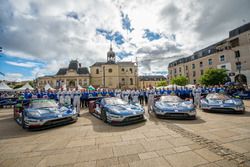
104	115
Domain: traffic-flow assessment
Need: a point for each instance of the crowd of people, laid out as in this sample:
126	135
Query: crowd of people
80	98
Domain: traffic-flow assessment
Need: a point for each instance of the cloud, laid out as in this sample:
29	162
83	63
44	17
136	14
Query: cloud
54	33
19	64
13	77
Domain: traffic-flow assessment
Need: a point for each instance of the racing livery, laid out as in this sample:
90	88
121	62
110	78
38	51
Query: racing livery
41	113
171	106
116	111
222	102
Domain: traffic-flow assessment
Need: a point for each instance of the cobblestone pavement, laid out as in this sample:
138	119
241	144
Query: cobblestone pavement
210	141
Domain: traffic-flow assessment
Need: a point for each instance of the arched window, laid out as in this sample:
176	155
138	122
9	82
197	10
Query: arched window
123	70
97	71
131	70
110	70
131	81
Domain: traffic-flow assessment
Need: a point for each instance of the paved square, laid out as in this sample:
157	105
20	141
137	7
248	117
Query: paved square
211	140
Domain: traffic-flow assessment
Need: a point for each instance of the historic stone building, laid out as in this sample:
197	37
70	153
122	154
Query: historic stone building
232	54
150	81
72	76
112	74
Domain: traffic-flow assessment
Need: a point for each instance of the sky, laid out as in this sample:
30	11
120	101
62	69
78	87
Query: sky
39	37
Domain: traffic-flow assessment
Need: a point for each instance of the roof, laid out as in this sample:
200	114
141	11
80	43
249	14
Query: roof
62	71
83	70
118	63
73	65
152	78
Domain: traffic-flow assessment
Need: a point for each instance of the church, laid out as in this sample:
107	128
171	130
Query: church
110	74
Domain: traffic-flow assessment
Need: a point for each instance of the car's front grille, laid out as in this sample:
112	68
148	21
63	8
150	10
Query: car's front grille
223	109
132	118
58	121
176	115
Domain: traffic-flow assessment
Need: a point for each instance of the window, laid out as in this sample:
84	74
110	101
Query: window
170	72
222	58
201	64
186	67
175	70
210	62
194	73
187	75
123	70
223	67
131	70
202	72
194	81
179	69
110	70
193	66
97	71
237	54
131	81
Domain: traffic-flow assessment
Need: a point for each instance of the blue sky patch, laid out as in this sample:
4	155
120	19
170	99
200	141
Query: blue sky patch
111	36
150	35
121	55
126	23
11	64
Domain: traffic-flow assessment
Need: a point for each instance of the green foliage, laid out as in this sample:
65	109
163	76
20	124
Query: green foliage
17	86
214	77
161	83
180	80
31	83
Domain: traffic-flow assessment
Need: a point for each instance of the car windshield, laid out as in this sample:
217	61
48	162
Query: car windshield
43	104
170	99
217	96
115	101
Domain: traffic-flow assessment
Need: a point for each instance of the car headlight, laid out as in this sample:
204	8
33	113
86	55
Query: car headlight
33	114
238	102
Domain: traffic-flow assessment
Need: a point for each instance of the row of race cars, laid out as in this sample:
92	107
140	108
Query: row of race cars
43	113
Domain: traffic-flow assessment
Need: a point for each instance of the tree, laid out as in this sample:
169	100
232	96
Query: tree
161	83
180	80
214	77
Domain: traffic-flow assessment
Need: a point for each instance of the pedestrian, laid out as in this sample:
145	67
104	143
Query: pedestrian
76	100
151	95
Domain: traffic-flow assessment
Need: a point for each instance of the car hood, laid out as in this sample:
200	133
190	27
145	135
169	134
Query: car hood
127	109
50	113
171	106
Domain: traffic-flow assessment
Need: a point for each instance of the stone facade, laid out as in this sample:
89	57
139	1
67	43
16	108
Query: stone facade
232	54
150	81
72	76
112	74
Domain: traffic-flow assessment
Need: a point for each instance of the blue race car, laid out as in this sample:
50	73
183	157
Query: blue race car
221	102
242	95
171	106
7	101
116	111
41	113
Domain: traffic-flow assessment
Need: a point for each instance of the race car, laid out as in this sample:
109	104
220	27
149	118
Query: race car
42	113
222	102
242	95
116	111
172	106
7	101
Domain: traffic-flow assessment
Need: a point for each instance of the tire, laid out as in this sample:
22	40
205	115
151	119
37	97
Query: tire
104	116
193	117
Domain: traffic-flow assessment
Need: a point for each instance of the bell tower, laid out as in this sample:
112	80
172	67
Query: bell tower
111	55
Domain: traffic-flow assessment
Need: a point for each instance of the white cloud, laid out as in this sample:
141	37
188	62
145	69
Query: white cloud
21	64
40	30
